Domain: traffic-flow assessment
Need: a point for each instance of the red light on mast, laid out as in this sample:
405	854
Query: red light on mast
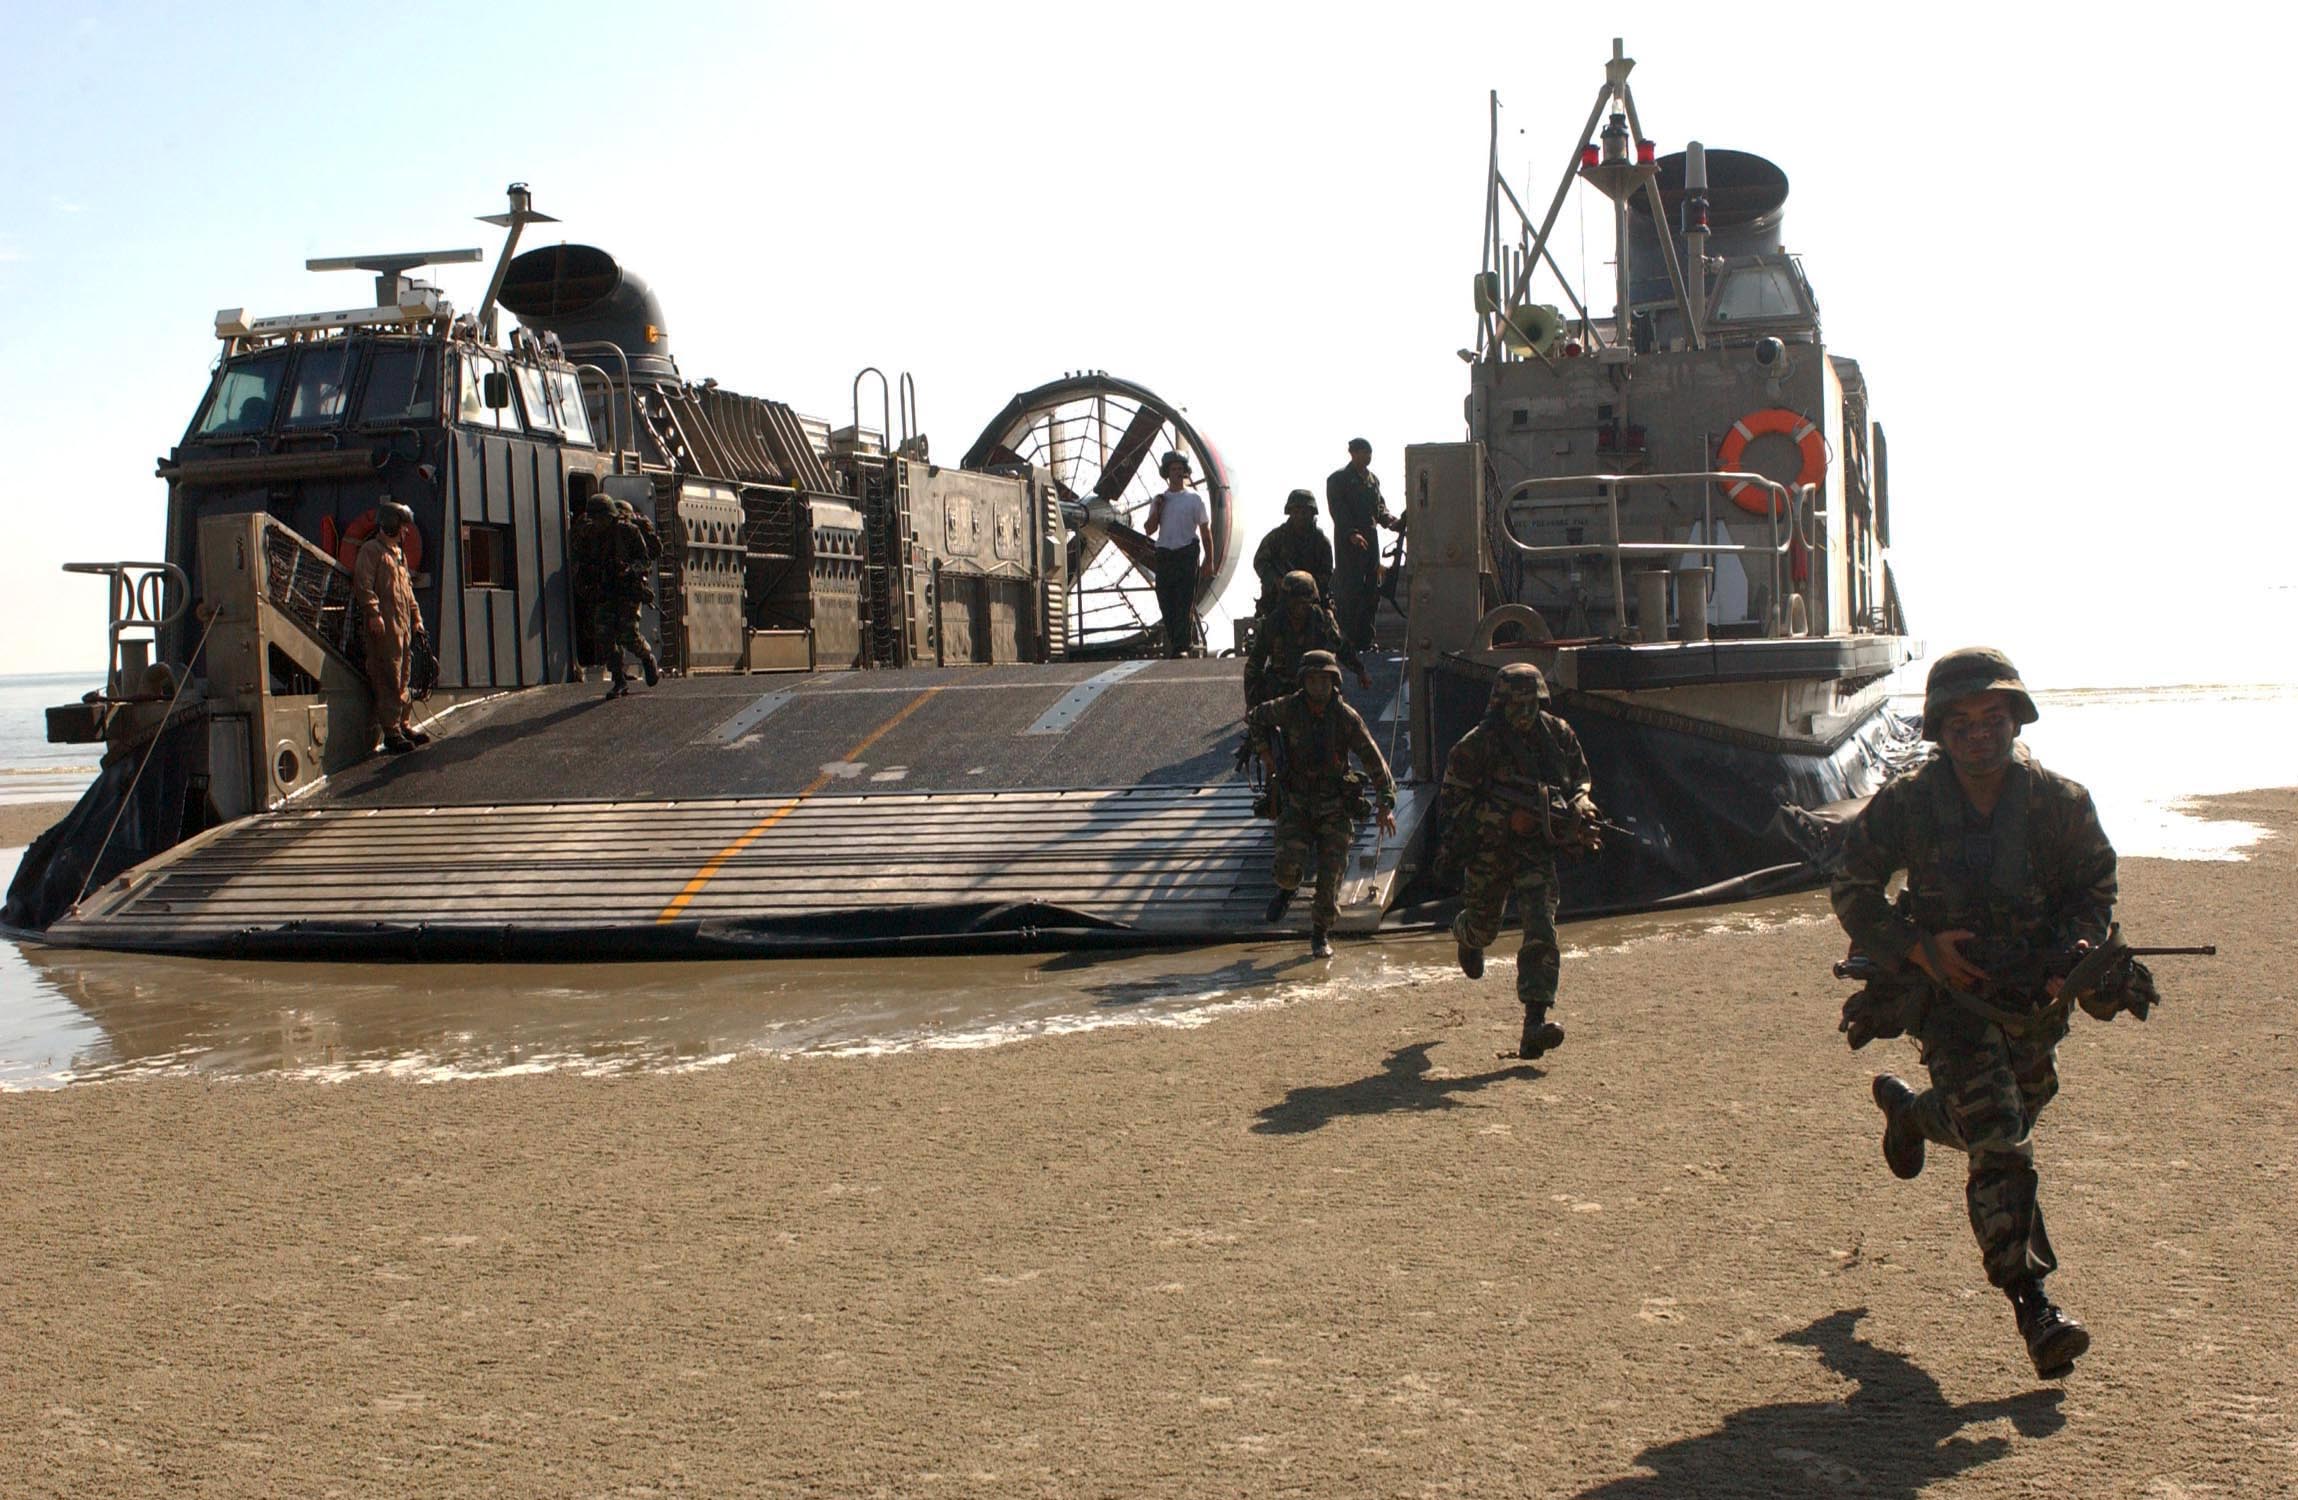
1589	157
1646	153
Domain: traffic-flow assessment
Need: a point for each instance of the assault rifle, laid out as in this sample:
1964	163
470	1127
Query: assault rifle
1545	813
1269	799
2104	980
1534	812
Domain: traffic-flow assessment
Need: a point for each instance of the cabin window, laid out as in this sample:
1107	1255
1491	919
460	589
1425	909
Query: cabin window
402	384
1758	292
574	417
486	556
473	408
322	382
535	396
244	398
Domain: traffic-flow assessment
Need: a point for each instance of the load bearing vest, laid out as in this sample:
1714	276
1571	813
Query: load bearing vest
1796	427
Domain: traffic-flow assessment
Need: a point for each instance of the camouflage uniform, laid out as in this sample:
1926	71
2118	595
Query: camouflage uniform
1353	497
1322	801
1539	751
1295	547
2039	869
2035	871
614	555
1286	634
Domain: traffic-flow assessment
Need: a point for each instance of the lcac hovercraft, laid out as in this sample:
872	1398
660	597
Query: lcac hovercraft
1681	513
905	703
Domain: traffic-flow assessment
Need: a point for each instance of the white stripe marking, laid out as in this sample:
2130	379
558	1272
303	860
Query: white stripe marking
751	717
1059	718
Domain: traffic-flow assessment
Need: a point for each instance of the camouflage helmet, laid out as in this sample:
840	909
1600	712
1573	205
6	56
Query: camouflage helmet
1972	670
1519	682
391	512
1300	500
599	504
1299	585
1321	661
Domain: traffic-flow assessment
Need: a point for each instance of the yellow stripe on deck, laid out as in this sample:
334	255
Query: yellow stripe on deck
720	860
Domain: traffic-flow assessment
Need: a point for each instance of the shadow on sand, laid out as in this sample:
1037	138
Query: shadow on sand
1894	1436
1401	1086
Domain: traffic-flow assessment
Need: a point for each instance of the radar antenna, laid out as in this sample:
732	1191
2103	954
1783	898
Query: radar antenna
391	278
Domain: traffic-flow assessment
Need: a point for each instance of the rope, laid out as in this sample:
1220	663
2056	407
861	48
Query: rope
128	796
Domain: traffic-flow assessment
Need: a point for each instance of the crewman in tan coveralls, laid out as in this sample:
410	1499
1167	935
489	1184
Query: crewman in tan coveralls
384	596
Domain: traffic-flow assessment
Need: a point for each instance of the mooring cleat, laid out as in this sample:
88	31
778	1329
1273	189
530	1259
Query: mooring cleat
1275	910
1902	1140
2054	1340
1471	961
1320	946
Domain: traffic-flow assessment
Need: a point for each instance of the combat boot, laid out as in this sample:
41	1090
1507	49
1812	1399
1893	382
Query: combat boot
417	737
2054	1340
396	744
1275	910
1541	1035
1902	1139
1320	945
653	672
1471	961
618	687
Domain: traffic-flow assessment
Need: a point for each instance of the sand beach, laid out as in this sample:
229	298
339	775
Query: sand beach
1338	1249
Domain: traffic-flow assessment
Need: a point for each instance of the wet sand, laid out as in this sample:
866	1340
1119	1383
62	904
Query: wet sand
1329	1249
22	822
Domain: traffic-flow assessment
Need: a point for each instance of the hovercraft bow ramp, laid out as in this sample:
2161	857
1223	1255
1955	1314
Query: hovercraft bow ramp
1042	807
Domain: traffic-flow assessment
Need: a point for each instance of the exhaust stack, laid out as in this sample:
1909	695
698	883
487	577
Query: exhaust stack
584	295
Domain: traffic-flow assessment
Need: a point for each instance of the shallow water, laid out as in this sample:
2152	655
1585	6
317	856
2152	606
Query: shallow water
68	1016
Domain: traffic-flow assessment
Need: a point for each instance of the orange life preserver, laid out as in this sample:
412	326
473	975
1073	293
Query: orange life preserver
347	551
1776	419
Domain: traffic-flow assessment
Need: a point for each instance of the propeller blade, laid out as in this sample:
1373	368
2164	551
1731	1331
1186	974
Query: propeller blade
999	453
1125	458
1138	549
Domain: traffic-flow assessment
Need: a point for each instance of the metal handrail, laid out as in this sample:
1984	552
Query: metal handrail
629	412
1784	503
140	600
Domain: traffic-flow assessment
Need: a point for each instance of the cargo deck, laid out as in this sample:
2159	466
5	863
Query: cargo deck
752	815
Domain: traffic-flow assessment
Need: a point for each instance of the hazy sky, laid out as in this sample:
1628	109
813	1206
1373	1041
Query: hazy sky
2049	242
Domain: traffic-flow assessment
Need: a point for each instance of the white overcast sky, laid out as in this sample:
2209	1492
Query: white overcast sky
2050	236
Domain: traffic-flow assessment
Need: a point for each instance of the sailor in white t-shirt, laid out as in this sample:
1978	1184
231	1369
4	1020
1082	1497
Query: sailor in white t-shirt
1182	527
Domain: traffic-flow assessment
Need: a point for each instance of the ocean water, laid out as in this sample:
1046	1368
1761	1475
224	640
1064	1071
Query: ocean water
2148	754
31	769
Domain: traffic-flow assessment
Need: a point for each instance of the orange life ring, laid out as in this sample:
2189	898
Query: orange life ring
1789	424
347	551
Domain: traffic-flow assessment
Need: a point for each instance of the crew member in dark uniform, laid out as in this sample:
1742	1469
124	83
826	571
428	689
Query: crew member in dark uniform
1352	495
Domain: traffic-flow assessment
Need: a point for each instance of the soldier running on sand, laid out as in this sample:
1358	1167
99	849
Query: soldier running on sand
1998	851
1516	793
1304	741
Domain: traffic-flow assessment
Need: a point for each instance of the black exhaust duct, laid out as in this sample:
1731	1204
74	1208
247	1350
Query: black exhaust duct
1747	203
584	295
